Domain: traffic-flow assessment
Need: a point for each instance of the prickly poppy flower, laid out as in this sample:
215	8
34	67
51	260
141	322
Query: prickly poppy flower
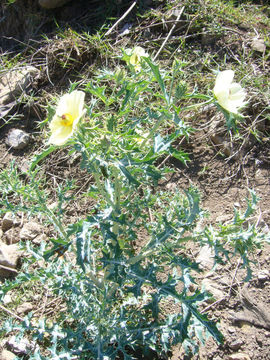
230	95
135	58
68	113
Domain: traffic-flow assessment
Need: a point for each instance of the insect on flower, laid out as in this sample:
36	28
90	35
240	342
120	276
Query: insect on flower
65	121
230	95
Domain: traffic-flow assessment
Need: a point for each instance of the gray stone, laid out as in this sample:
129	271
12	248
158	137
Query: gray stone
213	288
24	308
7	355
236	344
206	258
263	275
209	38
52	4
231	330
17	139
15	82
11	236
39	239
8	221
19	347
239	356
258	45
30	231
9	259
7	299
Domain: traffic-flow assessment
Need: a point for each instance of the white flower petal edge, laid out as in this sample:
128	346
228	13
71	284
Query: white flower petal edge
68	113
229	95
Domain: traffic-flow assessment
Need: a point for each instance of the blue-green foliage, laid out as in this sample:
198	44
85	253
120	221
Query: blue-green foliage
119	268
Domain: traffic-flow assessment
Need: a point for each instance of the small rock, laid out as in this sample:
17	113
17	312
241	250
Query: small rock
209	38
9	257
263	275
52	4
223	145
15	82
12	236
8	221
258	45
7	299
24	167
238	356
224	218
236	344
206	258
7	355
213	288
259	339
19	347
24	308
39	239
30	231
17	139
231	330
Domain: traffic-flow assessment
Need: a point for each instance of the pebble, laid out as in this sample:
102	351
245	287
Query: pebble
213	288
231	330
206	258
239	356
16	82
30	231
25	308
236	344
8	221
9	257
263	275
7	299
17	139
11	236
258	45
19	347
7	355
39	239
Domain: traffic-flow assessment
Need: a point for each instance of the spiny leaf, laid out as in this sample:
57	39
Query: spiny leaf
41	156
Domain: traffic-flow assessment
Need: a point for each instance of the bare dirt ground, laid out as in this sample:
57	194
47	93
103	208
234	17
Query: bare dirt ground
223	178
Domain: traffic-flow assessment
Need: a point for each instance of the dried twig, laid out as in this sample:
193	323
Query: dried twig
8	268
233	279
170	32
11	313
121	18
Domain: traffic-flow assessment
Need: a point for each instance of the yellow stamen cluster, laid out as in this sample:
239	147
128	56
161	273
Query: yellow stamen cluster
67	120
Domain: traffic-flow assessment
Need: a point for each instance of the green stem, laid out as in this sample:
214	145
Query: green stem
197	105
152	131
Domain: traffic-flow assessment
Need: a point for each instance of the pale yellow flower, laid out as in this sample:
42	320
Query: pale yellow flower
68	113
141	136
135	58
230	95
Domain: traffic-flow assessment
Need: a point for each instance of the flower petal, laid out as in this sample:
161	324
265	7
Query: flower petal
223	80
70	107
237	92
61	135
229	95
